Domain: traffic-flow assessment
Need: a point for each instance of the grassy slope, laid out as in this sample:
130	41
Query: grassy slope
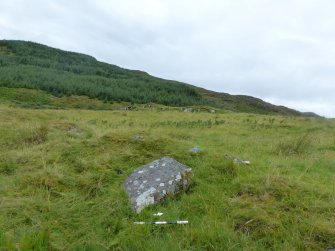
36	99
59	188
249	104
32	65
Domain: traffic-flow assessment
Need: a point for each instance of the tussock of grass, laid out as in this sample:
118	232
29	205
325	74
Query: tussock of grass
36	241
23	137
297	145
255	223
7	166
62	174
227	169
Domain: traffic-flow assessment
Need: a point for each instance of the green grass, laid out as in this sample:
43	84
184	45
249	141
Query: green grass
36	99
60	189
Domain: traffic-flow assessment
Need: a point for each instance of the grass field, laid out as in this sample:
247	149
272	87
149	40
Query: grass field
59	189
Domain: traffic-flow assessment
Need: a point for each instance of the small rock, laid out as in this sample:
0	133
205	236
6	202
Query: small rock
188	110
237	159
147	106
73	130
138	137
195	149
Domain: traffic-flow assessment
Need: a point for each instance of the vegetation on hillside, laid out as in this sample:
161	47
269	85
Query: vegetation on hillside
61	73
61	185
31	65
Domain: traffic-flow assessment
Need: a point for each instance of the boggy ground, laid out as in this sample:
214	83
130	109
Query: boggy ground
61	175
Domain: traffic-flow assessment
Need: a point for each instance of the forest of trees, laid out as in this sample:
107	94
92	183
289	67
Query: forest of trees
61	73
35	66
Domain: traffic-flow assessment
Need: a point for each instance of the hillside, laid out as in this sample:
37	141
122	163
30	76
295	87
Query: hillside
61	73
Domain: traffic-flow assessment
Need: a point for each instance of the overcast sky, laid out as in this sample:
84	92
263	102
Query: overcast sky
280	51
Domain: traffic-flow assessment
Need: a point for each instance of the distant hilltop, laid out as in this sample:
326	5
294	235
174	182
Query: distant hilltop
62	73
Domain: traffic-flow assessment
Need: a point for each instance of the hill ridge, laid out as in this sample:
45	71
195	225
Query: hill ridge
26	64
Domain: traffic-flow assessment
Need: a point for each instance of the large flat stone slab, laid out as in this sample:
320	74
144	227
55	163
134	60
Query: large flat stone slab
151	183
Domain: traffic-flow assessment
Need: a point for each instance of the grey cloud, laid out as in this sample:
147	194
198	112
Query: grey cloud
277	50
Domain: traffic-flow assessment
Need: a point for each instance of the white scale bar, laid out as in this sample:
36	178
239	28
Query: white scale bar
181	222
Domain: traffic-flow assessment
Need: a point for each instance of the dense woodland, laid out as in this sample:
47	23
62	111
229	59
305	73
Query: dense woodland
35	66
62	74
